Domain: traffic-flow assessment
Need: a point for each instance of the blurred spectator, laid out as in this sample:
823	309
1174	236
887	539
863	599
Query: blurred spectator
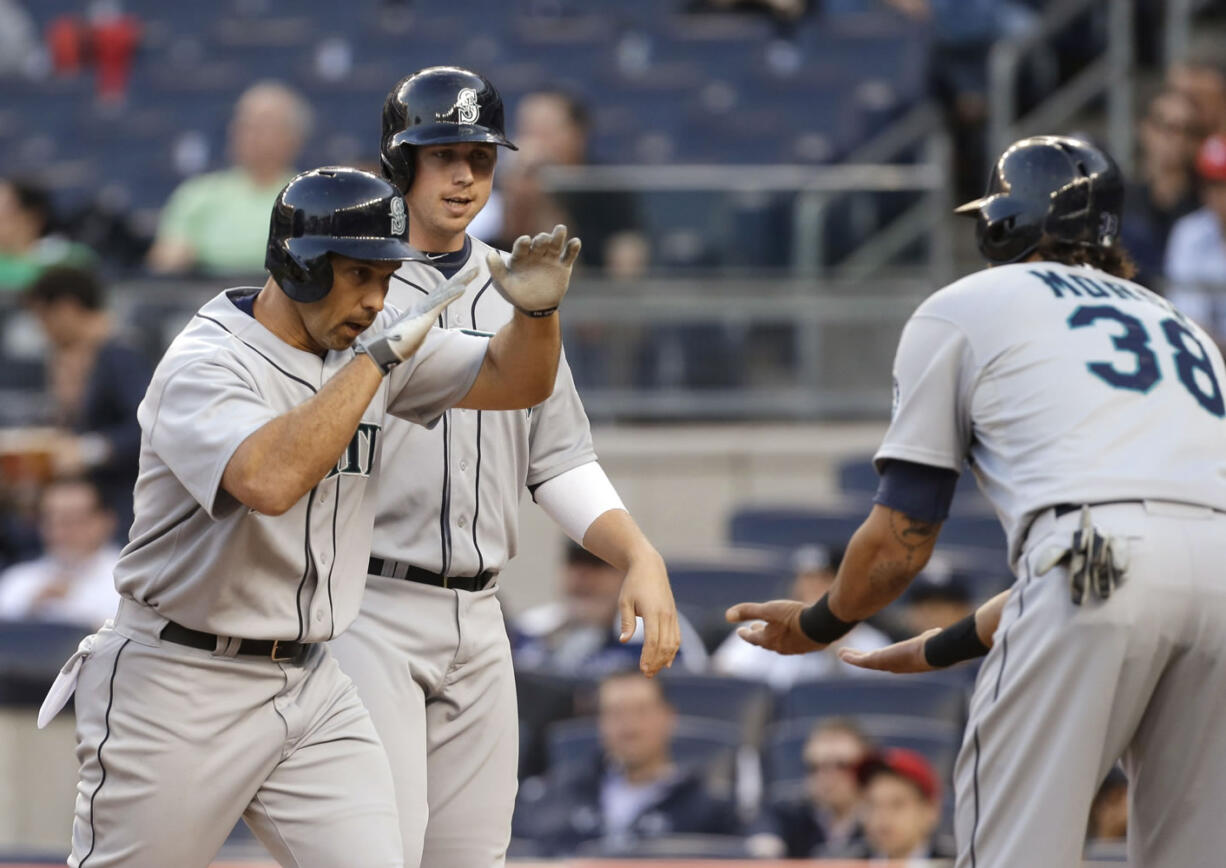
27	243
783	10
963	32
1196	251
1165	188
578	635
18	40
902	807
114	37
935	599
815	570
1106	836
72	582
1204	83
96	382
636	790
551	129
828	816
218	222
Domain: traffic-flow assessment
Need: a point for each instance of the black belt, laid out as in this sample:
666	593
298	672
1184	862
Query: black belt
396	570
277	650
1066	508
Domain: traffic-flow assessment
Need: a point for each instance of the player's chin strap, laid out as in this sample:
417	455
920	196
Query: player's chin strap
1095	560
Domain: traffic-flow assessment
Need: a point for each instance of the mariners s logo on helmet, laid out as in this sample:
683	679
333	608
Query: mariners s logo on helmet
465	110
397	214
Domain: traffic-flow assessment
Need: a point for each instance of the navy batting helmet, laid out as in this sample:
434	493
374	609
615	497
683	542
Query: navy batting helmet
1048	187
438	105
333	210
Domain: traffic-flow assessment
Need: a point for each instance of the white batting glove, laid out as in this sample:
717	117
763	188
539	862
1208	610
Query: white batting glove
405	336
539	273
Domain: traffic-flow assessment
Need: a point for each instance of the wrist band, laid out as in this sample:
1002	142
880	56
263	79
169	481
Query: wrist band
379	353
955	643
549	311
821	625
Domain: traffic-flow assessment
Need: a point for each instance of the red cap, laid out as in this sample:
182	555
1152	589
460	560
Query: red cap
1211	161
906	764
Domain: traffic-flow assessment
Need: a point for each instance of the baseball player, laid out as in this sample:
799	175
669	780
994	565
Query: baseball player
429	652
1091	411
212	695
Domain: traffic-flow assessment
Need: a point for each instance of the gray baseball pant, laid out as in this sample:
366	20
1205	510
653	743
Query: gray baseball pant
176	744
1066	690
434	667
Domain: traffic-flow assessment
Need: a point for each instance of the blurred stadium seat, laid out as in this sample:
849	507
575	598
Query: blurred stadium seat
31	654
738	701
704	590
920	696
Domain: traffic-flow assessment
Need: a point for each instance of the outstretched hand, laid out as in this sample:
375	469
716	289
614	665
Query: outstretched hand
902	657
778	629
539	271
646	594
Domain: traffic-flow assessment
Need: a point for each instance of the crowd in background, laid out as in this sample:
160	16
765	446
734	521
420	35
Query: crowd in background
63	525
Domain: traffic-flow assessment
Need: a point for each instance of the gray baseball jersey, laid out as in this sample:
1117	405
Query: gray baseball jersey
433	665
1050	379
1065	385
199	556
449	503
177	742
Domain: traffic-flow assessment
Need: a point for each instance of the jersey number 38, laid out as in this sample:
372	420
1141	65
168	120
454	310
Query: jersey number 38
1192	360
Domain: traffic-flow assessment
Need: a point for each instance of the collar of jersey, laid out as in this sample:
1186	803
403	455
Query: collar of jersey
252	332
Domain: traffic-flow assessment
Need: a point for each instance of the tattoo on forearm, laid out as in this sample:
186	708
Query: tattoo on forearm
911	532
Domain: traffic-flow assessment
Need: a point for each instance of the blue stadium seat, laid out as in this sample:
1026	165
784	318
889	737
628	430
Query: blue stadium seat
704	592
915	695
784	527
31	654
739	701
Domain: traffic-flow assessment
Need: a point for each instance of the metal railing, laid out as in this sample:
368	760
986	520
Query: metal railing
1109	76
734	348
815	189
1177	27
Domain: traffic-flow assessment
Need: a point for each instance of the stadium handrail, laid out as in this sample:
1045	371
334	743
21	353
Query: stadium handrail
1108	76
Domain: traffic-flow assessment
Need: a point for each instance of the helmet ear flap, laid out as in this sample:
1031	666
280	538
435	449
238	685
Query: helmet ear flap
398	164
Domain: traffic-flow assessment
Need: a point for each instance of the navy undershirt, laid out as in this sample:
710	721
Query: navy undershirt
450	263
245	303
918	491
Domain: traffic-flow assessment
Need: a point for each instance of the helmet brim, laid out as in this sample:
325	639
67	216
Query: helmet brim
364	249
449	134
973	207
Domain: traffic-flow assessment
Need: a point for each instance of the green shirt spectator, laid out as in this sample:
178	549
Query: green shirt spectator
223	216
27	246
218	223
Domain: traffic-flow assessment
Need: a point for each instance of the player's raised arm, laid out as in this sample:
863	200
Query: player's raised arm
522	362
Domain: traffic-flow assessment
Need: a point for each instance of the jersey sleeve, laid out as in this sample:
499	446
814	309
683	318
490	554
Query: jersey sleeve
437	376
559	436
933	378
203	412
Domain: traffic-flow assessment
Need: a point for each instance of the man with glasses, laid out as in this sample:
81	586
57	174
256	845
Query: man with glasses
1164	188
827	817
